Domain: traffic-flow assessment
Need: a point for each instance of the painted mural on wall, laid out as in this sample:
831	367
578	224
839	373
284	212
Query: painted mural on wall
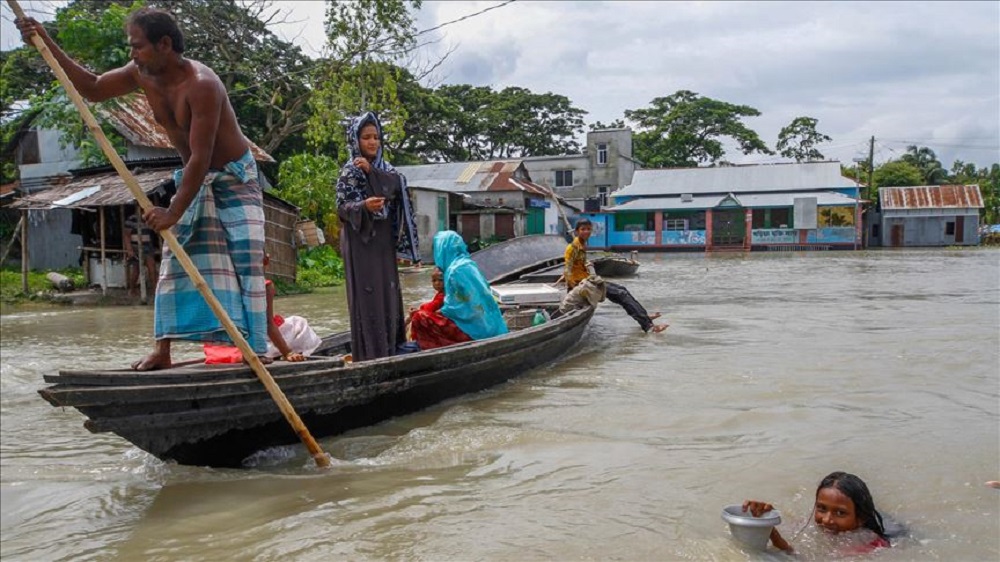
684	237
834	234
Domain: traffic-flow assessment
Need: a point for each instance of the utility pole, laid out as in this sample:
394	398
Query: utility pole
871	165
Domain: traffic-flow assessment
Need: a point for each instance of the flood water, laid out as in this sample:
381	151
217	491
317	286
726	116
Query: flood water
777	369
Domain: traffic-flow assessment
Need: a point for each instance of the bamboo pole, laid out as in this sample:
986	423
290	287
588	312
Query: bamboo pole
248	355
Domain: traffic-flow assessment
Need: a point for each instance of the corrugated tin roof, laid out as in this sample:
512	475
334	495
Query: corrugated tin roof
133	118
931	197
111	192
458	177
737	179
754	200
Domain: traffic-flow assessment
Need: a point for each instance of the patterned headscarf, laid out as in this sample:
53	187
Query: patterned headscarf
352	184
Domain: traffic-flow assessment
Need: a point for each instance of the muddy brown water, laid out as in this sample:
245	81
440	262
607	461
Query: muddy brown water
777	369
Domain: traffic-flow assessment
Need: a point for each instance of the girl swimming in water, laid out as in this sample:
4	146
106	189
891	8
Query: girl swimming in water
843	505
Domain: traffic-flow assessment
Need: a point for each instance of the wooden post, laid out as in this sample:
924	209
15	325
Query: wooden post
104	257
248	354
24	251
142	259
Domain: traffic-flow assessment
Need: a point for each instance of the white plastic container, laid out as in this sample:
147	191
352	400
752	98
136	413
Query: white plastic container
752	532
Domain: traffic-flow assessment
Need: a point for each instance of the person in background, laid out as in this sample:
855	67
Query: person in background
576	270
468	301
428	327
135	235
843	505
373	204
217	213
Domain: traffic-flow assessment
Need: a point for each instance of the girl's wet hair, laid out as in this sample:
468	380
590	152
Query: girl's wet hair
856	489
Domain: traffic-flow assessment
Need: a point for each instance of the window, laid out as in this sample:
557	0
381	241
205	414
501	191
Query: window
949	228
29	152
602	194
564	178
675	224
835	216
602	154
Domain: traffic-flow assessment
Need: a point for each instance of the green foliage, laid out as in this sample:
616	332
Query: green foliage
924	159
97	38
616	124
366	38
310	182
25	75
684	129
897	173
798	140
511	123
320	267
988	180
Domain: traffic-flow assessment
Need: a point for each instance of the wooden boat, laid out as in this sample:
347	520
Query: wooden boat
512	259
218	415
615	266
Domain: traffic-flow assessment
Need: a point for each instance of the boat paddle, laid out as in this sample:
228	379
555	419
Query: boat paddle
249	356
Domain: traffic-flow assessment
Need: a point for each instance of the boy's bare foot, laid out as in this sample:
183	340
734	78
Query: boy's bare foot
655	315
657	328
152	362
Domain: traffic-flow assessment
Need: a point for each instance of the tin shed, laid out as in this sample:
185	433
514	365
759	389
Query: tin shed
928	215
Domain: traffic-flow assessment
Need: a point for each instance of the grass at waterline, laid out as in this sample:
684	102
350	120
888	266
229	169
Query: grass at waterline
317	267
11	289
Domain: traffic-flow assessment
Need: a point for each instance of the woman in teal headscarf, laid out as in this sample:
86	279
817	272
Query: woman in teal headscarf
467	298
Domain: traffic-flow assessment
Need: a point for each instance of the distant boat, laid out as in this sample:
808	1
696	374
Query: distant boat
615	266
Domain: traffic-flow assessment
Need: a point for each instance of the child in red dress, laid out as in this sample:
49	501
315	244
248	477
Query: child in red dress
428	327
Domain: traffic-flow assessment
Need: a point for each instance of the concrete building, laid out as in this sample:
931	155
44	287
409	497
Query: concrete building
753	207
490	200
587	180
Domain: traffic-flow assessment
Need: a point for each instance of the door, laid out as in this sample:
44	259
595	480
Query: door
959	229
470	227
442	213
504	225
536	221
728	227
896	239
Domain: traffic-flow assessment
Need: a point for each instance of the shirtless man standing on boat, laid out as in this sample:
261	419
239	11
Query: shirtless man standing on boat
189	100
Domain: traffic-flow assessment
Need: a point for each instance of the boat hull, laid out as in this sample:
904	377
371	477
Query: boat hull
218	417
615	267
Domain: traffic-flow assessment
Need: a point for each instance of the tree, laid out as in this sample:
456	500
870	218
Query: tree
988	180
926	161
512	123
684	129
308	181
897	173
798	140
365	39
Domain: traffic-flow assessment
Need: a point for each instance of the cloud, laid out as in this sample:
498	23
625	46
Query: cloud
925	73
922	71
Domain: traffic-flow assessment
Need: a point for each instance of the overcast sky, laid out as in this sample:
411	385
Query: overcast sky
925	73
